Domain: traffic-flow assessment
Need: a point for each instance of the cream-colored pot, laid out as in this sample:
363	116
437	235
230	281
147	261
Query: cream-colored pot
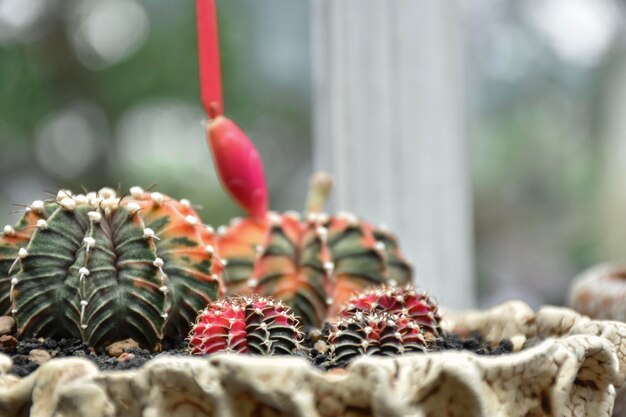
600	293
571	369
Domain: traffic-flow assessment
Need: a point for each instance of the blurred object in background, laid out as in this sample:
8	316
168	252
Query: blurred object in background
540	88
390	124
104	92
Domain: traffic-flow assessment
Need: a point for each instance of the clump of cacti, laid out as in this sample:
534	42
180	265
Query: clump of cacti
374	333
103	267
405	300
312	262
241	324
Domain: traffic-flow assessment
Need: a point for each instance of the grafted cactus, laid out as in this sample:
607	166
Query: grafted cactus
312	262
405	300
102	267
241	324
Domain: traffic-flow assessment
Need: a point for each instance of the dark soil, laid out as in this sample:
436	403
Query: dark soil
134	358
64	348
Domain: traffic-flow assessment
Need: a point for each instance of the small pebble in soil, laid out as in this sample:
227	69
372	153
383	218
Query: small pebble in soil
39	356
8	343
117	348
7	325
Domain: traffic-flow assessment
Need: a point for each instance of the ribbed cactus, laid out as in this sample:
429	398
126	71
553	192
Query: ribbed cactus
312	262
374	333
242	324
102	268
405	300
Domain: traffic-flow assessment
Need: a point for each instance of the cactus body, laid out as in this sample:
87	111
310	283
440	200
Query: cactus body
313	264
246	325
404	300
376	333
103	268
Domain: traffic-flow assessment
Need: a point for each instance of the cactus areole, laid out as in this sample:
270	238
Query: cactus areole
102	268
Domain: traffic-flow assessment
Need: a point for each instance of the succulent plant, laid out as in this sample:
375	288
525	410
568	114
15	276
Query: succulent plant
312	262
102	267
243	324
374	333
405	300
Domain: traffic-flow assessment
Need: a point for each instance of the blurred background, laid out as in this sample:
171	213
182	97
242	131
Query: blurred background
105	92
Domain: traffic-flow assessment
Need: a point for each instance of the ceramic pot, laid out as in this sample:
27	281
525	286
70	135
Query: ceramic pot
564	365
600	293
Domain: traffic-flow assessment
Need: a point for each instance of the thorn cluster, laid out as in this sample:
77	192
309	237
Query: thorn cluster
241	324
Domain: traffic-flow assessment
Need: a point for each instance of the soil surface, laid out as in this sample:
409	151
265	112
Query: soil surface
26	353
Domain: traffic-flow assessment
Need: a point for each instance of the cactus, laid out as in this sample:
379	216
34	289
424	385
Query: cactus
404	300
374	333
241	324
312	262
103	268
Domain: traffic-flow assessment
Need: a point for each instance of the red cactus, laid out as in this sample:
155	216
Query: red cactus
374	333
246	325
404	300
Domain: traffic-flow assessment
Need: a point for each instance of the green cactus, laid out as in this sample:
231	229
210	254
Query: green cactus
103	268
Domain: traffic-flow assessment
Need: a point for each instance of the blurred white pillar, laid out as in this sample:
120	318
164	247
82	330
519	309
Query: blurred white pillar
612	197
390	126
